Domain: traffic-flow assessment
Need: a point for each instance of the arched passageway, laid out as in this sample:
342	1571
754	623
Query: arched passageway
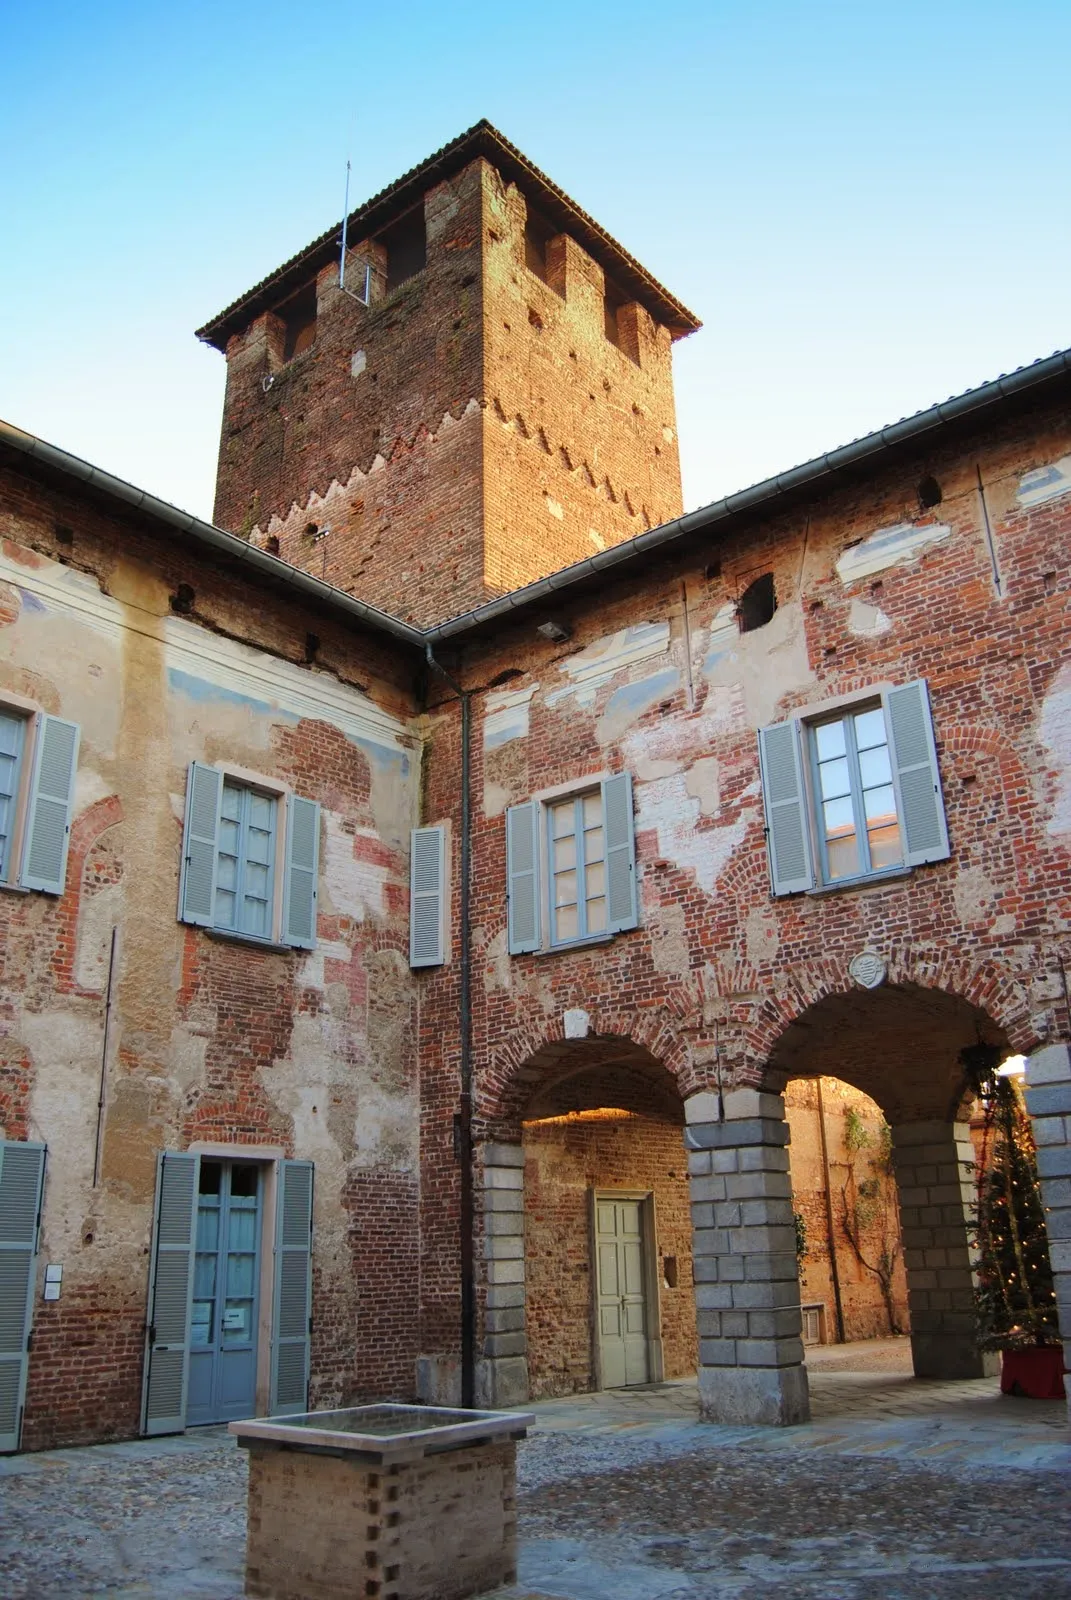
587	1233
900	1046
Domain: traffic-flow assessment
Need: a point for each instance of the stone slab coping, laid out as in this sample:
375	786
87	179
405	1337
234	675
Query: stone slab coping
383	1433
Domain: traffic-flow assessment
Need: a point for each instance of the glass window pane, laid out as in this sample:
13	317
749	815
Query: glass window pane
874	767
244	1176
869	728
562	819
839	818
239	1276
843	857
596	910
256	918
225	909
204	1276
829	740
595	879
261	811
231	807
201	1323
227	869
210	1179
566	923
565	853
885	848
11	734
257	880
242	1232
592	810
880	805
834	778
565	889
593	844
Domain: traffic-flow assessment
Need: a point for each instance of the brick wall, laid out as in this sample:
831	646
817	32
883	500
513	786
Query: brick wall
469	431
310	1054
862	1302
720	975
565	1159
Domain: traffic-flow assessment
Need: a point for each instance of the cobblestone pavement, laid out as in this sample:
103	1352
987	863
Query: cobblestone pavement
900	1491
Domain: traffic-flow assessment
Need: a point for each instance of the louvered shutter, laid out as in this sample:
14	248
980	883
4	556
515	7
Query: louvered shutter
48	832
22	1171
426	890
788	834
167	1355
621	899
197	881
302	869
522	873
918	782
292	1298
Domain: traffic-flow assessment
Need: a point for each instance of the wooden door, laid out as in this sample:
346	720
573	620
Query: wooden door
623	1317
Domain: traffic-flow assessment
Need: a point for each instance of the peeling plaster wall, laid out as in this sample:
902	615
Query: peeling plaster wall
869	592
311	1053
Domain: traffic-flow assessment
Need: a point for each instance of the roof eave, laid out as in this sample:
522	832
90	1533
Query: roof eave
481	140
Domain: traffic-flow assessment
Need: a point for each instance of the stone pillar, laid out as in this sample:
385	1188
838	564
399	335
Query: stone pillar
747	1289
502	1365
934	1165
1048	1100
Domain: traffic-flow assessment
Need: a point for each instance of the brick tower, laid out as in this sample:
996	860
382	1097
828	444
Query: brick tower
488	400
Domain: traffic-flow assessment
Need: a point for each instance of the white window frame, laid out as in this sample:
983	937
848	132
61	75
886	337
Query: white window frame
547	807
544	800
808	727
283	796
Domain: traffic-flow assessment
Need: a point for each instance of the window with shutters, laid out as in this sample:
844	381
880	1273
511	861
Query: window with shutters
571	866
38	764
250	856
855	794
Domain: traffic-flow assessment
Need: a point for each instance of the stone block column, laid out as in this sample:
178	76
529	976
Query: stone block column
934	1165
1048	1100
502	1365
747	1290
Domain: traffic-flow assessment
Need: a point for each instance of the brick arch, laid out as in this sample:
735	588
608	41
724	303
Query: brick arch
621	1047
898	1043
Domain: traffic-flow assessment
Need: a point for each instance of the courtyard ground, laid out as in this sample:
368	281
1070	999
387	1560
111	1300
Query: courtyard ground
898	1490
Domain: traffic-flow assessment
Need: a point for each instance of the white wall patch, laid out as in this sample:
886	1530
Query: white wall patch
889	547
1045	483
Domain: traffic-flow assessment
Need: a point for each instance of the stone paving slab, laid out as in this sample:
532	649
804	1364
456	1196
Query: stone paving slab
902	1492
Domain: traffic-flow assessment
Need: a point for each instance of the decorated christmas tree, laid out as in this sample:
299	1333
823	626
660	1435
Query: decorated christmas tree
1015	1302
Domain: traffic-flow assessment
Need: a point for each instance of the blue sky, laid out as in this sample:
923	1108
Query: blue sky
867	204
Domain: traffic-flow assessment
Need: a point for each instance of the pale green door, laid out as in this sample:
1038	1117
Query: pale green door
623	1319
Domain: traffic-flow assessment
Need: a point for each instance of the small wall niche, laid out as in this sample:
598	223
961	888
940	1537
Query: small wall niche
406	246
298	317
757	604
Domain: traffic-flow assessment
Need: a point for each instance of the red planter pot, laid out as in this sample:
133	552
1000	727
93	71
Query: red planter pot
1036	1373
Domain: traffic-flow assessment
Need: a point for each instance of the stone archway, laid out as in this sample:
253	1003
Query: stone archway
592	1113
900	1045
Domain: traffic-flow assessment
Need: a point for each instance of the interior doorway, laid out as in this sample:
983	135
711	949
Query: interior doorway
623	1316
223	1327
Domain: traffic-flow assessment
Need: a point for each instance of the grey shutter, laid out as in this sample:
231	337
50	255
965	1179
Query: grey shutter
620	837
22	1170
426	888
48	832
292	1298
788	834
167	1354
522	874
918	782
302	870
197	881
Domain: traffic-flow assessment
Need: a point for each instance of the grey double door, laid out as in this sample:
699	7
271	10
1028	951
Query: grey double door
226	1275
